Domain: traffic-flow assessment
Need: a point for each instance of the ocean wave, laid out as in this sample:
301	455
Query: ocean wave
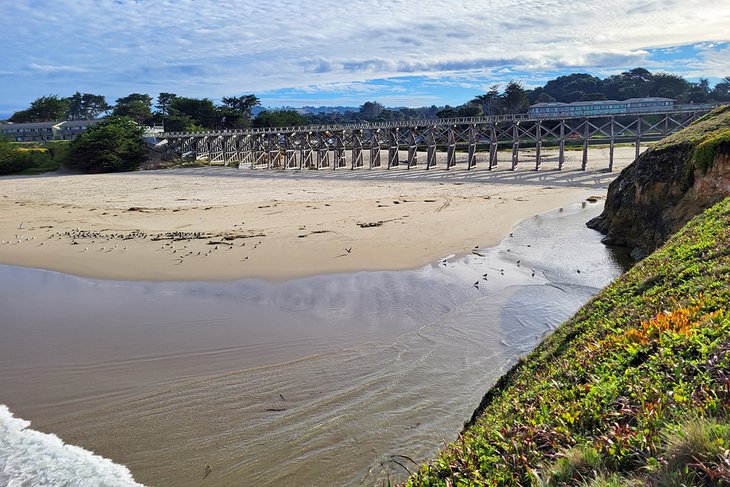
29	457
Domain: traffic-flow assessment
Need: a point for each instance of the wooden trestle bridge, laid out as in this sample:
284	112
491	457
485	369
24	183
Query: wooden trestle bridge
416	143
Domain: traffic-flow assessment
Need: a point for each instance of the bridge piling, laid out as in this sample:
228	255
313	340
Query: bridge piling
493	146
586	127
538	144
331	145
515	145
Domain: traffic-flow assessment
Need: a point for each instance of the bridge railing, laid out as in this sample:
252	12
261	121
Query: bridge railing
436	122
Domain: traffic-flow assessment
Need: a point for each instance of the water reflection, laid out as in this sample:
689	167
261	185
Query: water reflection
314	381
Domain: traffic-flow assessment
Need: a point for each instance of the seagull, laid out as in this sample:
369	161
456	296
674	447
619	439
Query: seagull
20	227
476	284
348	250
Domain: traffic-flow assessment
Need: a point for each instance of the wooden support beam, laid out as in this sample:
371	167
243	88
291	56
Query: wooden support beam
471	158
431	148
412	149
493	146
515	145
393	148
451	148
538	144
586	137
610	147
374	149
561	150
357	159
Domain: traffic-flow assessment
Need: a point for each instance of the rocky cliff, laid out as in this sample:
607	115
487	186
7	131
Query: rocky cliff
667	185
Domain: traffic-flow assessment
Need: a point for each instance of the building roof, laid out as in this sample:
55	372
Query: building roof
650	98
599	102
68	124
80	123
30	125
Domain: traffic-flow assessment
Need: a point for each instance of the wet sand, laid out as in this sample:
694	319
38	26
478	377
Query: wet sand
322	380
286	379
228	223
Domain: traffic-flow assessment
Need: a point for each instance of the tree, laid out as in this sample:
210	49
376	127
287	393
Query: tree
515	98
545	98
491	101
49	108
243	104
704	85
572	87
178	123
594	97
164	100
136	106
447	112
114	145
201	110
669	85
279	118
469	110
721	91
86	106
371	110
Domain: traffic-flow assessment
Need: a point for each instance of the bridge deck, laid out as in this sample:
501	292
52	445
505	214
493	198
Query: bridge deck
379	144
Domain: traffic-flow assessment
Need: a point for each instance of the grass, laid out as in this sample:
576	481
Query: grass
612	397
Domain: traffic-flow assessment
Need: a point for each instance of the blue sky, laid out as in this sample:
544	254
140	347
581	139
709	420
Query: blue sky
327	52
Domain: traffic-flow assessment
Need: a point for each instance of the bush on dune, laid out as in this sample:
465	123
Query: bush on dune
114	145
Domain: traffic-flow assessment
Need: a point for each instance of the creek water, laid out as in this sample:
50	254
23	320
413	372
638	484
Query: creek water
330	380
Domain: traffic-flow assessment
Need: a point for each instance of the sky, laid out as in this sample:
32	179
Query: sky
329	52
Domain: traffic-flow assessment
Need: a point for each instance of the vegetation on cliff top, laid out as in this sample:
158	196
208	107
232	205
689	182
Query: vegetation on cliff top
633	390
707	136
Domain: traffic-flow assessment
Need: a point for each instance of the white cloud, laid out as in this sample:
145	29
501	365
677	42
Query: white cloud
55	69
205	47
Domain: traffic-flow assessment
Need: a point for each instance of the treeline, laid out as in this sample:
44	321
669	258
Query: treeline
636	83
178	113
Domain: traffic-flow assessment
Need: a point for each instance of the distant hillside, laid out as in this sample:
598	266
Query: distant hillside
668	184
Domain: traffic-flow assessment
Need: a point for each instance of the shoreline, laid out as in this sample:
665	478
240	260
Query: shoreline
226	224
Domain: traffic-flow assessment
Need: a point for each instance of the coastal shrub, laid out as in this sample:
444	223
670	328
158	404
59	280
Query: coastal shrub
597	402
705	153
114	145
13	160
34	158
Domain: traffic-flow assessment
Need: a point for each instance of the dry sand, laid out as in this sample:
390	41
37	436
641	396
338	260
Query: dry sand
227	223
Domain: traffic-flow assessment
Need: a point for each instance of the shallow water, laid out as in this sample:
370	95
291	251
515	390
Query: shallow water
318	381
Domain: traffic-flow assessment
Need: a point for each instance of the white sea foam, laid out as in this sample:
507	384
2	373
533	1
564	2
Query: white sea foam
32	458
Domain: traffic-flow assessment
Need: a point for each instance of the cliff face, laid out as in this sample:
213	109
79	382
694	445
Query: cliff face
668	185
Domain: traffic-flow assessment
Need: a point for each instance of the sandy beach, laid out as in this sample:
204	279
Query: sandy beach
220	223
